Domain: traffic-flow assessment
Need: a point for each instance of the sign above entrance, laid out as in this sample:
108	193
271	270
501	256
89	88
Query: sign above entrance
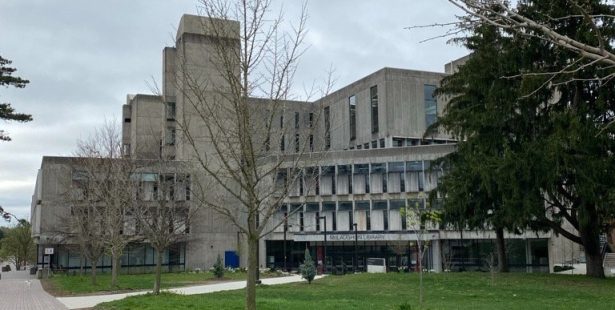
363	237
48	251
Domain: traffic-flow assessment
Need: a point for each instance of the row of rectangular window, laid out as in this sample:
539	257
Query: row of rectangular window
392	177
376	215
310	120
374	145
149	186
297	143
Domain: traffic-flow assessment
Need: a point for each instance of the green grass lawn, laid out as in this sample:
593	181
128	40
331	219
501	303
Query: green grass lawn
388	291
66	285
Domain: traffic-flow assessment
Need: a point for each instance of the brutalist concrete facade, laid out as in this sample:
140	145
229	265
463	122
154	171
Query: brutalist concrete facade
374	154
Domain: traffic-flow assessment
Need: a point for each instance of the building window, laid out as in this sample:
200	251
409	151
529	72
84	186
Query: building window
170	111
126	149
366	146
386	220
431	105
350	220
382	143
311	119
127	120
281	121
297	146
188	190
373	96
301	221
296	120
398	142
170	136
352	107
374	144
300	185
361	179
311	143
282	145
327	128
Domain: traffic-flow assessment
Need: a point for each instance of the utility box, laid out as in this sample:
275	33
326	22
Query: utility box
376	265
231	259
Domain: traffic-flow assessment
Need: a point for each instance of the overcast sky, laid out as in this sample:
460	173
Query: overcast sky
83	57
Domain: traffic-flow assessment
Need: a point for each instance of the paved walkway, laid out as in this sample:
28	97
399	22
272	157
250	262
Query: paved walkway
91	301
21	291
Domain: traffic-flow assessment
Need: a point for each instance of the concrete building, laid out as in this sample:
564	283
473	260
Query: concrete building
374	163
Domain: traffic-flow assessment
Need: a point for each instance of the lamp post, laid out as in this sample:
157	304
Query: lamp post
324	259
356	239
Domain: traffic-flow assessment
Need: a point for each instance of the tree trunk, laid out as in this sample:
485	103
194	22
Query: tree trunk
501	248
115	266
589	231
81	263
158	272
252	269
93	272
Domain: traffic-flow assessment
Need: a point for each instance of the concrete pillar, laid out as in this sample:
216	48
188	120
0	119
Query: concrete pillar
262	254
436	254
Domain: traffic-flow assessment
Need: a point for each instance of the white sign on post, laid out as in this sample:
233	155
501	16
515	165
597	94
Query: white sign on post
48	251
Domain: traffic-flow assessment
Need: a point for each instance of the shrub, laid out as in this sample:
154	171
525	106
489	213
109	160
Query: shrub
562	268
218	268
404	306
308	270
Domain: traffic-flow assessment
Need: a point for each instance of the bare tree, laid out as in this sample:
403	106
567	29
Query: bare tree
87	227
419	218
501	14
107	189
163	208
237	122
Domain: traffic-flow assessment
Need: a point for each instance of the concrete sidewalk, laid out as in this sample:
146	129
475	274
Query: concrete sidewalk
91	301
21	291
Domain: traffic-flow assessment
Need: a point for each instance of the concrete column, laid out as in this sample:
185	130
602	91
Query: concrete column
262	254
436	254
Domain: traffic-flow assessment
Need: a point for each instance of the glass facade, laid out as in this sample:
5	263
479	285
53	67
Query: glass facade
327	113
369	178
373	98
137	258
352	108
431	105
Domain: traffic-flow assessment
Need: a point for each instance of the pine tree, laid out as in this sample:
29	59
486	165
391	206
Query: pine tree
477	117
218	268
537	144
308	269
7	112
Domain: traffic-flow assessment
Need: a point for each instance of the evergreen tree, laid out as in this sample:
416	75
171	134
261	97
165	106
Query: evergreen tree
308	269
7	112
479	116
536	147
218	268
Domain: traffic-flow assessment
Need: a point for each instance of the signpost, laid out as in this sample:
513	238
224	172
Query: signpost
48	253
